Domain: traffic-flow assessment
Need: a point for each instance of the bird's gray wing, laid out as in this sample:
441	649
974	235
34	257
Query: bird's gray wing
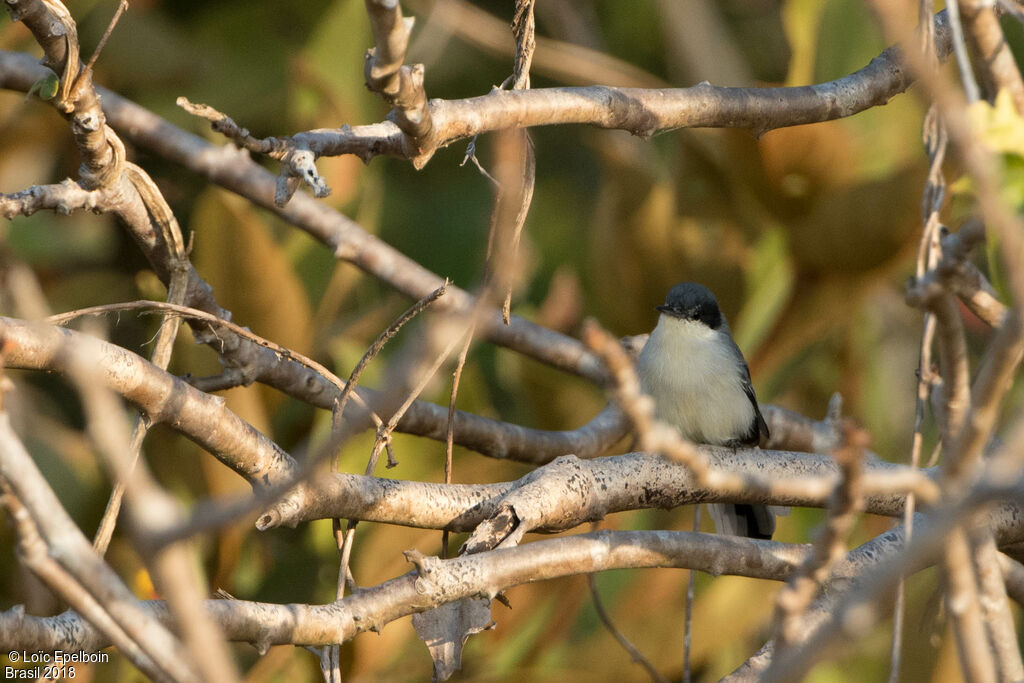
759	426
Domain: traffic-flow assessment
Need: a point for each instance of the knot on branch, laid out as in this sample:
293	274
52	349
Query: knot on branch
528	506
285	512
399	84
432	577
296	156
299	165
101	170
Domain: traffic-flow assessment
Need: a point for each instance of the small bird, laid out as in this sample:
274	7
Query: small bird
700	384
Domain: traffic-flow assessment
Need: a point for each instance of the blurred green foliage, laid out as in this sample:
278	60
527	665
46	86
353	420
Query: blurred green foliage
805	234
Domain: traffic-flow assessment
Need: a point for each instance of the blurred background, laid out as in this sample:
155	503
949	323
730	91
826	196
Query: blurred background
806	235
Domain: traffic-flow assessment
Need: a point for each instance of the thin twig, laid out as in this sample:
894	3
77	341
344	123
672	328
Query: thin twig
471	156
196	314
634	653
381	340
344	541
928	254
963	62
691	584
106	34
384	432
450	438
161	358
523	30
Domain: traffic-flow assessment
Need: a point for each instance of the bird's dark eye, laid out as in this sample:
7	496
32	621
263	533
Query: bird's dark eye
710	316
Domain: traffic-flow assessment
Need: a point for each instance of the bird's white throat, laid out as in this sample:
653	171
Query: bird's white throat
695	380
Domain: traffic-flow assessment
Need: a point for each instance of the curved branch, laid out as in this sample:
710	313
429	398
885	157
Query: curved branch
600	487
399	84
251	362
643	112
437	582
163	397
618	483
235	171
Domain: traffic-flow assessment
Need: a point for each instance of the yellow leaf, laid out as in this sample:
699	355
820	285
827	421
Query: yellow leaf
999	126
142	585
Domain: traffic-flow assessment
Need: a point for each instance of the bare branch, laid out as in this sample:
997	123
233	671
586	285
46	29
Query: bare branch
995	60
952	357
296	158
995	606
490	437
75	554
962	600
163	397
437	582
1013	575
629	647
964	279
63	198
32	551
400	85
846	610
852	602
150	510
603	486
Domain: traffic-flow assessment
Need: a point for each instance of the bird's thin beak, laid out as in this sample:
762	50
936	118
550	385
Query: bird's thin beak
673	312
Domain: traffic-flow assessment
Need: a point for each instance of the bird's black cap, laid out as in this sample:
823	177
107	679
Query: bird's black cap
692	301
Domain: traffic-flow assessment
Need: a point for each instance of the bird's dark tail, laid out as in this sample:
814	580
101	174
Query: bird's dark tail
752	521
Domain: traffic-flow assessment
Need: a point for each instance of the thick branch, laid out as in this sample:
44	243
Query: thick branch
399	84
997	63
162	396
438	582
604	485
642	112
66	543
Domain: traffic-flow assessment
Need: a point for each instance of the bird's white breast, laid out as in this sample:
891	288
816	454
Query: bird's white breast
695	381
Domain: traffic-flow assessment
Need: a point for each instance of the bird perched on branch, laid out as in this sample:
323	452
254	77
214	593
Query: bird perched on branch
700	384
